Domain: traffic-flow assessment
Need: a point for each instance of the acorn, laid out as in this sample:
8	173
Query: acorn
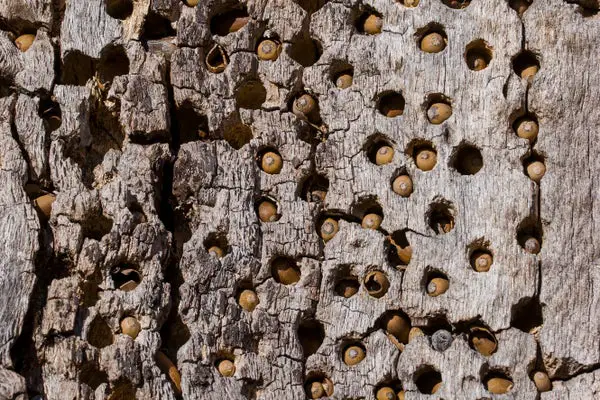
483	341
271	162
527	129
481	261
329	228
268	50
344	80
414	333
438	113
532	245
529	72
542	381
353	355
315	390
402	185
499	385
24	42
386	393
411	3
372	25
392	105
371	221
437	286
130	327
377	284
130	284
398	325
384	155
347	287
226	368
441	340
167	367
436	387
305	107
216	251
476	61
327	386
433	43
216	59
404	253
267	211
425	159
248	300
401	395
191	3
536	170
285	271
44	204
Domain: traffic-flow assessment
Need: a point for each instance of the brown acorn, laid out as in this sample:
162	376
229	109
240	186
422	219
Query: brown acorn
216	59
481	261
414	333
344	80
425	159
384	155
353	355
315	390
536	170
436	387
398	325
404	254
377	284
386	393
267	211
437	286
403	185
527	129
24	42
532	245
433	43
372	25
191	3
329	228
305	107
438	113
483	341
285	271
499	385
226	368
44	204
542	381
130	327
347	287
271	162
476	61
167	367
371	221
529	72
411	3
268	50
216	251
248	300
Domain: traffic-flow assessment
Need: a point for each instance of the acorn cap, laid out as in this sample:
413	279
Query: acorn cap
315	390
226	368
353	355
536	170
403	185
216	59
373	24
371	221
529	72
167	367
398	325
532	245
498	385
438	113
268	50
384	155
327	386
386	393
426	159
24	42
483	341
267	211
414	332
130	327
433	43
542	381
437	286
271	162
344	80
527	129
44	204
216	251
329	228
285	271
347	287
248	300
377	284
482	261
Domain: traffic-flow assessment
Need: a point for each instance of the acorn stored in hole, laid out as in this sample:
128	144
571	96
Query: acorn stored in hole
404	253
24	42
268	50
285	271
542	381
483	341
267	211
441	340
386	393
329	228
315	390
347	287
437	286
425	159
411	3
216	251
529	72
384	155
44	204
414	333
191	3
226	368
167	367
344	80
532	245
527	129
438	113
499	385
536	170
353	355
216	59
398	325
305	107
433	43
377	284
271	162
402	185
372	25
481	261
371	221
130	327
248	300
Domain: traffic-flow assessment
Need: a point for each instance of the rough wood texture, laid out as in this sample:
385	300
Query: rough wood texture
155	163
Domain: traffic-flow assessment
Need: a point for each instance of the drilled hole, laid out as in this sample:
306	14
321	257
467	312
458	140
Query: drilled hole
428	379
467	160
311	6
456	4
353	352
341	74
369	22
438	108
126	277
526	127
400	251
327	227
192	124
237	135
483	340
285	270
157	27
478	55
269	160
311	335
376	283
119	9
114	62
389	389
123	389
314	188
526	65
216	244
346	284
497	382
529	235
440	216
51	113
423	153
410	3
527	315
305	51
391	104
480	257
380	151
432	38
534	167
216	59
77	69
318	385
520	6
99	334
436	283
91	375
229	22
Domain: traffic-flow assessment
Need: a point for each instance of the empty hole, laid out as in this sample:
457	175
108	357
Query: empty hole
114	62
192	124
126	277
526	314
251	94
520	6
391	104
77	69
311	335
587	8
229	22
369	22
216	59
50	111
428	379
438	322
305	51
456	4
314	188
157	27
431	38
119	9
529	235
99	334
440	216
237	135
399	250
311	6
285	270
478	55
497	382
216	244
91	375
467	160
96	227
526	64
123	389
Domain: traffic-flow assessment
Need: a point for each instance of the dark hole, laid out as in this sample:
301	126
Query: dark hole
99	335
347	287
428	380
456	4
314	188
50	111
467	160
216	239
119	9
527	314
237	135
438	322
91	292
311	335
92	376
520	6
125	277
391	104
478	55
311	6
123	390
229	22
174	334
157	27
251	95
305	51
371	284
529	235
440	217
524	60
96	227
192	124
77	69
